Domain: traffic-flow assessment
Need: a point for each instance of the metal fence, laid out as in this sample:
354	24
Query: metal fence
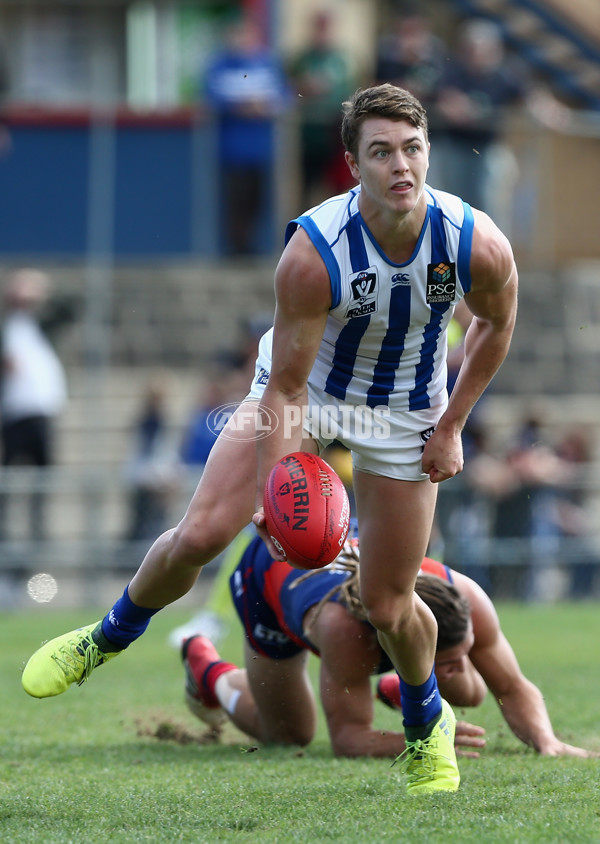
522	547
82	556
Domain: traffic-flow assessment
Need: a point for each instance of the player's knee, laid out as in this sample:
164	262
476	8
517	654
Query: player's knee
195	543
389	616
291	734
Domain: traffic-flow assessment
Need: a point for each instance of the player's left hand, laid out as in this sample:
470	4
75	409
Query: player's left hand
442	456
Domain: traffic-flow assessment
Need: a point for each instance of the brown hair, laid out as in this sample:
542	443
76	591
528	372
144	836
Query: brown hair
379	101
451	610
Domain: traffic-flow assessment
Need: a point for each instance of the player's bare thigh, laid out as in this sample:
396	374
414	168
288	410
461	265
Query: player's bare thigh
283	695
229	477
395	519
225	499
228	482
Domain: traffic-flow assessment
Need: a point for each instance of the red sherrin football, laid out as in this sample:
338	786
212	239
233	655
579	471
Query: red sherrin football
307	510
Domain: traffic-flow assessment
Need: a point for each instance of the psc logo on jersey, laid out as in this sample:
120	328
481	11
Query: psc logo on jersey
441	282
364	293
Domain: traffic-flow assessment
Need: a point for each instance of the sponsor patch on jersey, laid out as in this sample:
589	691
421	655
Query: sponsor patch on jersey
262	377
363	286
400	278
426	434
441	282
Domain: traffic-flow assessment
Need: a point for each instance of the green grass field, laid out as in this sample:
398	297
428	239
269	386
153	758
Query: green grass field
88	766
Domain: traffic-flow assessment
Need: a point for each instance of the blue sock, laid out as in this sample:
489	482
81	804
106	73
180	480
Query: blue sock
126	621
421	705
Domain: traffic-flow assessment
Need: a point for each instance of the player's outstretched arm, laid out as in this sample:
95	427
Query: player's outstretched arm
520	701
524	710
303	299
349	654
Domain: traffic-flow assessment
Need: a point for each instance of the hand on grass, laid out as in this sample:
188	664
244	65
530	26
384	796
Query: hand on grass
468	735
559	748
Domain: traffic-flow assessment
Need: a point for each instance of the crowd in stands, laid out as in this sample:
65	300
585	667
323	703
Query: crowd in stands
519	515
468	81
530	492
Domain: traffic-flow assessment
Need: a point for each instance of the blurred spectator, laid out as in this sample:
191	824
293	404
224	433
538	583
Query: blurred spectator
526	508
152	472
33	387
245	87
240	358
576	526
522	513
245	354
5	140
201	429
226	384
323	79
411	56
480	83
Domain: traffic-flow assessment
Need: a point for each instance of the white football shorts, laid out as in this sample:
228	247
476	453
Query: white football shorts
382	441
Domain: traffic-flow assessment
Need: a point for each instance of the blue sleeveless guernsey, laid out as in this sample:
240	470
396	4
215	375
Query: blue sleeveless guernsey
385	339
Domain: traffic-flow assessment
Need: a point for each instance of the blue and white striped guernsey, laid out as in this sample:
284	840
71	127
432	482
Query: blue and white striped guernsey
385	339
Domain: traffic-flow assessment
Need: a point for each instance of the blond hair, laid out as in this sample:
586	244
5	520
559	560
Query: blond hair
348	589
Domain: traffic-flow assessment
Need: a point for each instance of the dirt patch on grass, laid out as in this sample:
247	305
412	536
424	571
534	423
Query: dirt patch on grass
166	728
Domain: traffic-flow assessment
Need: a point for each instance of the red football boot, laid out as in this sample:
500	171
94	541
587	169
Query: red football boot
388	691
203	666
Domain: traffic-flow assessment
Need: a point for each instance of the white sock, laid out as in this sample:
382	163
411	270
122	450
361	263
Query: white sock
227	695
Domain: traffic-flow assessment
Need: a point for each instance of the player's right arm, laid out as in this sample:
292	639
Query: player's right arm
303	300
350	654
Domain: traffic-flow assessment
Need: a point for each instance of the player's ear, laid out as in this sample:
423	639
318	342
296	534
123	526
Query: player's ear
352	163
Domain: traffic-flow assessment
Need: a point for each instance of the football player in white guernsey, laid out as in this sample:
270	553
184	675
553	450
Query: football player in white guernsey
365	289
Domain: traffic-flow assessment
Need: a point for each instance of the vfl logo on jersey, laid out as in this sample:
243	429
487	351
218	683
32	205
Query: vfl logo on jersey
441	282
400	278
363	286
262	377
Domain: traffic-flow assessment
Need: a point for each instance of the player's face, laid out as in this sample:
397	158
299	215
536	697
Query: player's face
392	162
453	661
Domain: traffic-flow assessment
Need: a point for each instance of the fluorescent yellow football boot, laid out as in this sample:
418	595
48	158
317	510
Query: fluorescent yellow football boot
430	764
59	663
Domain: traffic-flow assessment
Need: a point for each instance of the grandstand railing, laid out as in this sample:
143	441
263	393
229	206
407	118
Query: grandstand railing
85	544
